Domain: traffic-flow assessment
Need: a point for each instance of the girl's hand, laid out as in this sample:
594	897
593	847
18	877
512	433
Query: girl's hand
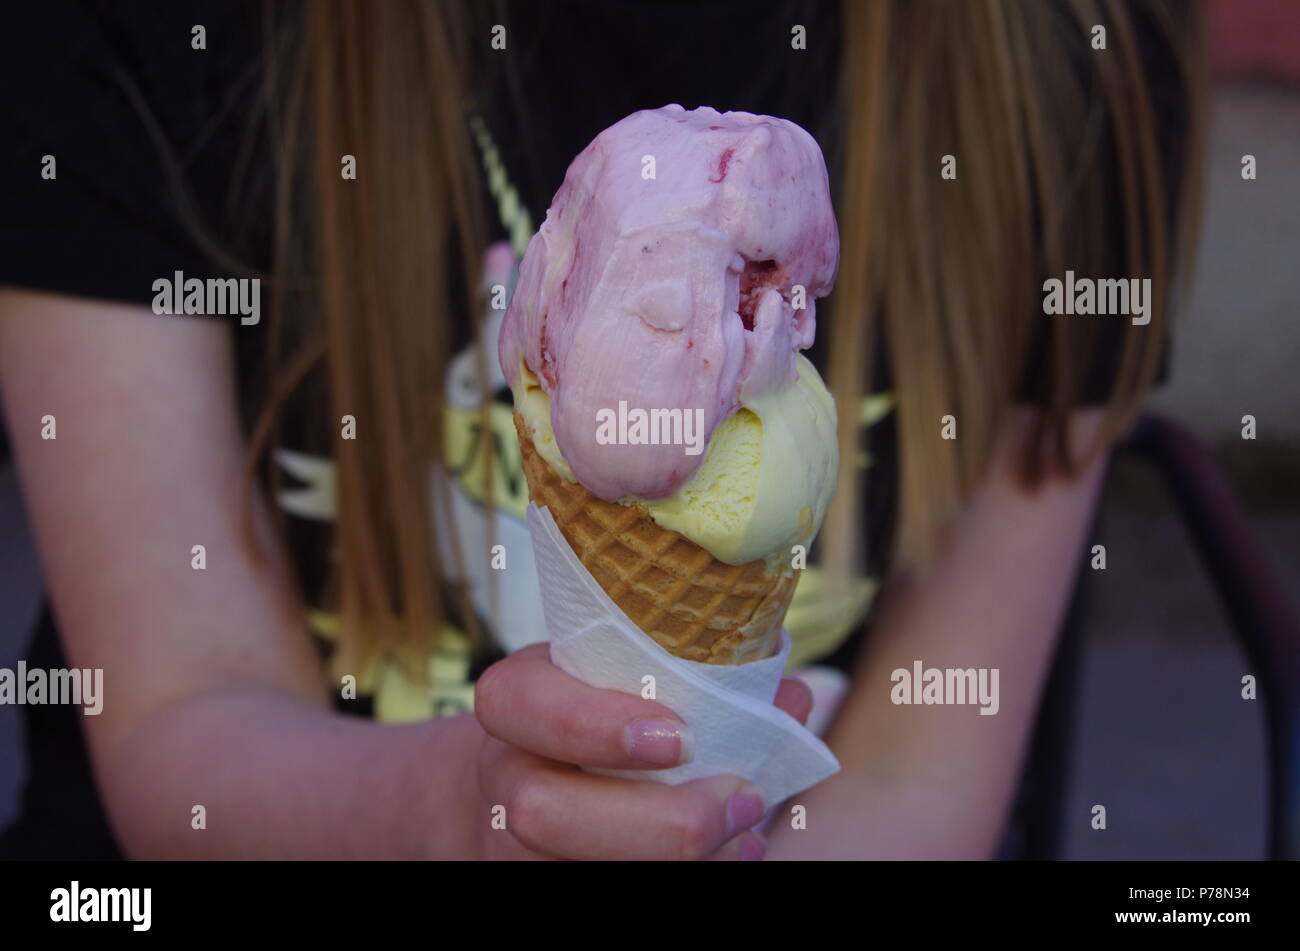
542	724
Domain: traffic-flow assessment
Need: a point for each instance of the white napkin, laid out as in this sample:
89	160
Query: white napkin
737	729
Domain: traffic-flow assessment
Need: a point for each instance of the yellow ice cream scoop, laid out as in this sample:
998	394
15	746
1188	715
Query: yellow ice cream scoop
764	484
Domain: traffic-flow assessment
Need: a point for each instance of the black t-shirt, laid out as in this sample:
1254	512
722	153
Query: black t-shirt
152	137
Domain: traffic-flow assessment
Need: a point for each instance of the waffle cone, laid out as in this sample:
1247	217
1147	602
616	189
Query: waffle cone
692	604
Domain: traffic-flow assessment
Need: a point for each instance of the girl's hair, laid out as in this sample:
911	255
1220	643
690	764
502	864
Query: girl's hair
1060	164
1067	156
365	270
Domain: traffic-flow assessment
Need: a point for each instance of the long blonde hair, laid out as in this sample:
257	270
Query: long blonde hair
1059	165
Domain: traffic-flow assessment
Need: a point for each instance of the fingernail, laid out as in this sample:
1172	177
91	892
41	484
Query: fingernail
660	741
752	848
744	810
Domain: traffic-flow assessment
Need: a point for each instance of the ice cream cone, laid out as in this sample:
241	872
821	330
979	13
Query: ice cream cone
692	604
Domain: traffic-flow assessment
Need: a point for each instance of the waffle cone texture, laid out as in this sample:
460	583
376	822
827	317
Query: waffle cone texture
693	605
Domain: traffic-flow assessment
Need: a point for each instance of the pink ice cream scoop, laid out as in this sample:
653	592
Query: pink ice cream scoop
669	274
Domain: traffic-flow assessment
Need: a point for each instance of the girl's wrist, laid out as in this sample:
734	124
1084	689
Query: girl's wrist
442	779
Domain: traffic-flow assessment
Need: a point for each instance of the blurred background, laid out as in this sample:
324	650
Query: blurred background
1160	735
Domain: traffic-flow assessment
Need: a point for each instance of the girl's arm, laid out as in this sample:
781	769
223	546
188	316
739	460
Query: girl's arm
937	781
213	694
